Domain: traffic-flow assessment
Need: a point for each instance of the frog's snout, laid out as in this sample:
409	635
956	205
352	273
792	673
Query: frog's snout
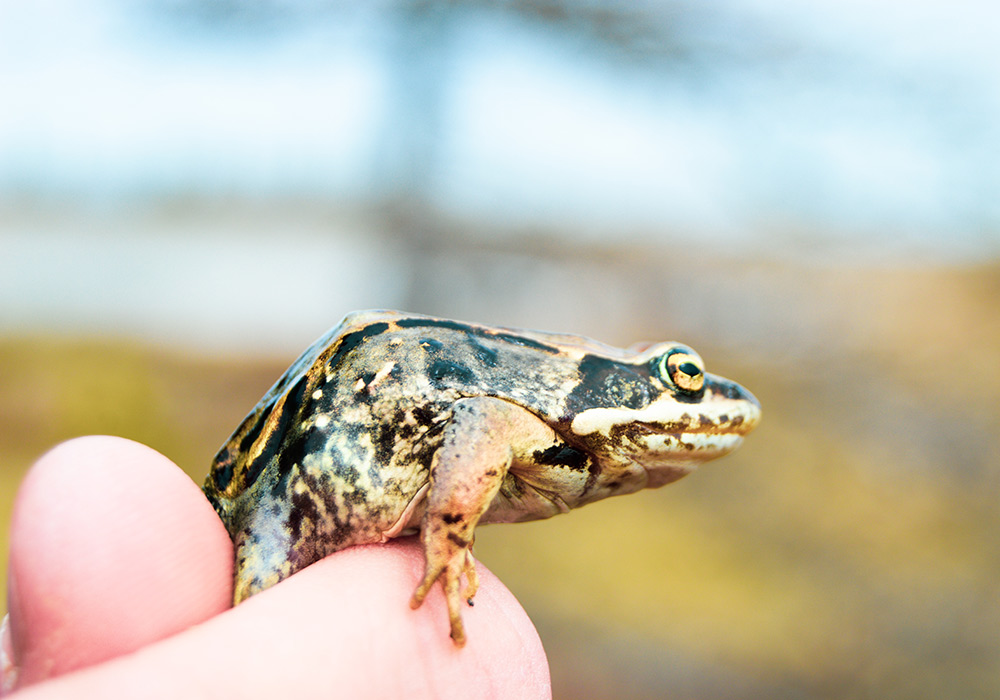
738	411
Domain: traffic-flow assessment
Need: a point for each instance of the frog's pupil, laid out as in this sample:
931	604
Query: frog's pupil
690	369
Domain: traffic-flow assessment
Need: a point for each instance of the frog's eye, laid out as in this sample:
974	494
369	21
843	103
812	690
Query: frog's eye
683	369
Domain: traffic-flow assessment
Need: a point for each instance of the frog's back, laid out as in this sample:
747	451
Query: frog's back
368	399
439	360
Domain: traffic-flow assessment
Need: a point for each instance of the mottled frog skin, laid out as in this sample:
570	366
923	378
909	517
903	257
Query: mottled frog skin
394	423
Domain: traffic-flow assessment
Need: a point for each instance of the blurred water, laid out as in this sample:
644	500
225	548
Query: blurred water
271	284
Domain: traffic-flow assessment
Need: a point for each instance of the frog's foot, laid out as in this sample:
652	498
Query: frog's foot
448	557
449	568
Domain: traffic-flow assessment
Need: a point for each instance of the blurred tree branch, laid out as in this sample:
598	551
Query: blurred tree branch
661	31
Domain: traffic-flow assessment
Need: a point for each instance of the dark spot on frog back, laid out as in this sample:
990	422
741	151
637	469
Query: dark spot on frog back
476	331
364	394
443	372
306	440
526	342
222	470
289	409
223	466
488	356
303	506
431	323
256	422
352	340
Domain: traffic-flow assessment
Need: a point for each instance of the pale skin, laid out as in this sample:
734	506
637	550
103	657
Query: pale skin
120	582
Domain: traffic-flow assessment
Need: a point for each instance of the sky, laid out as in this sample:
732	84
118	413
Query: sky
872	120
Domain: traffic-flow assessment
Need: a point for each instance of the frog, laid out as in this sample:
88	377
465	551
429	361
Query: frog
395	424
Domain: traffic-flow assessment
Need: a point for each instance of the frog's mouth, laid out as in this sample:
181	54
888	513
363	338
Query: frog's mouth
682	450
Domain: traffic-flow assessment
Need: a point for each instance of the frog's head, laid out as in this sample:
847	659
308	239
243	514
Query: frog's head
659	409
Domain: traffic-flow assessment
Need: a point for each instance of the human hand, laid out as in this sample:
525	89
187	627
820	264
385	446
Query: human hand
120	582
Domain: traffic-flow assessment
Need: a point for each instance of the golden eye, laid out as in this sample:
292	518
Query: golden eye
683	369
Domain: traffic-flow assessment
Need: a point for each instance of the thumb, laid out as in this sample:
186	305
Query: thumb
112	547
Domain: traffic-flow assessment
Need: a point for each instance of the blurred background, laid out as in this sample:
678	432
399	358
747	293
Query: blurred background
191	191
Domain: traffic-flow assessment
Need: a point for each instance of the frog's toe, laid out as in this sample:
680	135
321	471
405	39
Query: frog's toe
450	573
457	628
424	588
472	587
453	595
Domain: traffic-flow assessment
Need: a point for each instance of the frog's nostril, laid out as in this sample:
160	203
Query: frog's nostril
732	390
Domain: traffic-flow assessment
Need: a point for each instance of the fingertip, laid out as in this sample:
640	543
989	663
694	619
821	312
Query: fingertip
351	612
344	618
112	547
500	653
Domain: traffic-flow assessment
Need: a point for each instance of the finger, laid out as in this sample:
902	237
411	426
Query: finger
341	627
112	547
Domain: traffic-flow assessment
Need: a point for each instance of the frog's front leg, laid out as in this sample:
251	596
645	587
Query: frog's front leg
481	440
